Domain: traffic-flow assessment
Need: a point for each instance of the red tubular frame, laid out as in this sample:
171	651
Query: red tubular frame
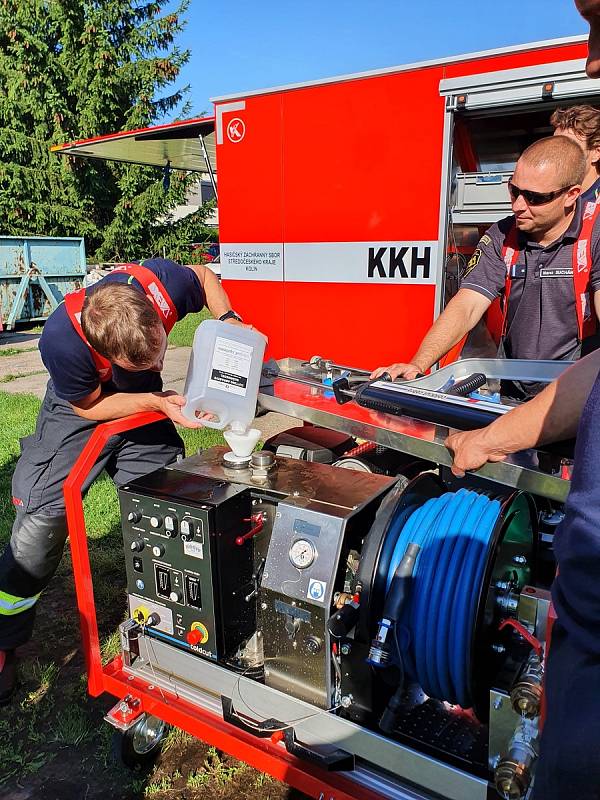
263	754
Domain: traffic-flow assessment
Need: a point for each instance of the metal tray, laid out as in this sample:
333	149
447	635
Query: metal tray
499	369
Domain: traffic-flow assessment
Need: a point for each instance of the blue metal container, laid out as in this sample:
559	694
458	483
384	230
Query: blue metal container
35	274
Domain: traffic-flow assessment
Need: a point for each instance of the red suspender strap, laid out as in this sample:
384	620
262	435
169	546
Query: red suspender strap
155	292
510	256
582	259
74	304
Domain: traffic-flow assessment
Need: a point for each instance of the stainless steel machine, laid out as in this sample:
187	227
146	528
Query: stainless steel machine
343	595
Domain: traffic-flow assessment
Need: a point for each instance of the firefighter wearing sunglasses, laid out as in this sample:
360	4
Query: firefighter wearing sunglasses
534	276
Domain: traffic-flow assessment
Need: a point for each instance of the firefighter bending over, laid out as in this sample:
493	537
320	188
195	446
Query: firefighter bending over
542	263
104	350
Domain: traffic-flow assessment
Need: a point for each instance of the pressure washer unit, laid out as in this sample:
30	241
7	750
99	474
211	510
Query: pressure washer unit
339	611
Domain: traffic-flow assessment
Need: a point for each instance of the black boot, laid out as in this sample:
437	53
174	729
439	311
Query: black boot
8	675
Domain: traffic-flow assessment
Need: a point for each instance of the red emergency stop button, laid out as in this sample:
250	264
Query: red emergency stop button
193	637
198	634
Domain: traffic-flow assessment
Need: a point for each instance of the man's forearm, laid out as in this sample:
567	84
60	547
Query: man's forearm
118	405
551	416
460	315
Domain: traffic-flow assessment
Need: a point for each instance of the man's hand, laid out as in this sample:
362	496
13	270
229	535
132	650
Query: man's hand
170	404
471	450
234	321
400	370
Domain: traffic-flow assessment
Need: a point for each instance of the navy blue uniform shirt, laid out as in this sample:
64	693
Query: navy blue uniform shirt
576	590
593	193
68	359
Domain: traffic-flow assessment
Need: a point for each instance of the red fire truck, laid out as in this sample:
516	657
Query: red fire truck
350	204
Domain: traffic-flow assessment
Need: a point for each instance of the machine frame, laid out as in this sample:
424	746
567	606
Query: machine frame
194	703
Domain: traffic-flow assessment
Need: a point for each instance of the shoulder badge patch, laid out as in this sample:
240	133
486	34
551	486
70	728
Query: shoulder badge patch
485	240
473	261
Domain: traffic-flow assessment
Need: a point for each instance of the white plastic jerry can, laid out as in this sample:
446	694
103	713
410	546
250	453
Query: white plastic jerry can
224	374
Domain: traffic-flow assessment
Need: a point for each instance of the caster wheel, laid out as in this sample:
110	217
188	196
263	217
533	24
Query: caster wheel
139	747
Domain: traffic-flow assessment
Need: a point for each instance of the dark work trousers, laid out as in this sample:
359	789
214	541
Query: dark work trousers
39	531
569	765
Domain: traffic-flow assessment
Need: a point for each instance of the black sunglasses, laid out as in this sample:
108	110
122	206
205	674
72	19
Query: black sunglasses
535	198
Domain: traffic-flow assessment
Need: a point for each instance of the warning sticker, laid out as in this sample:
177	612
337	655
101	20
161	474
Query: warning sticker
316	589
230	366
194	549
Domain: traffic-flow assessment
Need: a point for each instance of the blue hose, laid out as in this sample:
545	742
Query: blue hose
435	631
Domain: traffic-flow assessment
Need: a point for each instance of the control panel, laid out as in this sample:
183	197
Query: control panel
186	576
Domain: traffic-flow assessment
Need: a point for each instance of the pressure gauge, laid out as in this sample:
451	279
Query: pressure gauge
302	553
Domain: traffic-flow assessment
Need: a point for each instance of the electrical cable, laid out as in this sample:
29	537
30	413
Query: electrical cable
435	630
258	724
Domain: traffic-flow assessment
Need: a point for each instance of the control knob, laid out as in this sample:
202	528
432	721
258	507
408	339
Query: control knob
187	529
158	551
138	545
155	522
176	597
171	526
134	516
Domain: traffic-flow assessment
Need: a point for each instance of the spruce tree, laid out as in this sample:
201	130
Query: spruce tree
74	69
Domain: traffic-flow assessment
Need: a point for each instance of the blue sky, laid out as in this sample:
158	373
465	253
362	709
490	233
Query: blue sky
239	45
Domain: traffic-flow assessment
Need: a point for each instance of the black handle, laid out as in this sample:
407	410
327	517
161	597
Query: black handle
329	758
467	385
341	390
262	730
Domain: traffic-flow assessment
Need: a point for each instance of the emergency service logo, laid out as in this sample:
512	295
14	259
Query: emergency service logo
472	263
236	130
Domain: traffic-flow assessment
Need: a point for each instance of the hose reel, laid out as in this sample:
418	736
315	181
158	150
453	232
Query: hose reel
474	556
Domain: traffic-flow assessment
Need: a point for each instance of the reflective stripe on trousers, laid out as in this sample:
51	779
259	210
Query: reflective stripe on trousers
9	604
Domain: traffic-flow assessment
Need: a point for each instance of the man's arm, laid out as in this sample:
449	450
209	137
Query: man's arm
550	417
459	317
216	297
103	407
597	303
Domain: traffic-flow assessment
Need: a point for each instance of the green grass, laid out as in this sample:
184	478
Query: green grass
18	413
176	738
182	334
72	726
11	377
164	784
15	351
